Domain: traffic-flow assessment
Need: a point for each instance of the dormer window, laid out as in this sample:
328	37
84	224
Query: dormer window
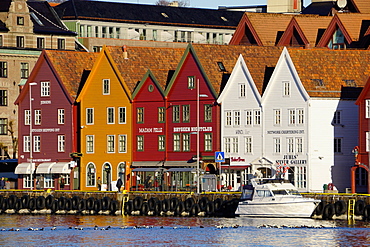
337	41
164	14
20	20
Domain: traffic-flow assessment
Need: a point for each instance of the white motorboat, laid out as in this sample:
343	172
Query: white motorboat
274	198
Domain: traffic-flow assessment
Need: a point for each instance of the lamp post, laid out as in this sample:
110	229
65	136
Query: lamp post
31	145
198	152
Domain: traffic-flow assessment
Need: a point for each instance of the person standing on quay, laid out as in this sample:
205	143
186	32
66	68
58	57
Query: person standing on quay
119	184
99	183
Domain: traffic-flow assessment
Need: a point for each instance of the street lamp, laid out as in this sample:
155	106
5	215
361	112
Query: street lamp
198	112
31	146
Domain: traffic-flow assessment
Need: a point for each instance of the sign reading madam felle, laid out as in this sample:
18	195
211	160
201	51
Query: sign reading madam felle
291	159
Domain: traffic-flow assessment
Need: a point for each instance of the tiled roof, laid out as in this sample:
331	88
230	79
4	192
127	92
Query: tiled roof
310	25
324	72
78	63
139	59
47	21
363	6
268	25
257	58
152	14
355	24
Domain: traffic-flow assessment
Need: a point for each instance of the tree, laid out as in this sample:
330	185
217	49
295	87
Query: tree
181	3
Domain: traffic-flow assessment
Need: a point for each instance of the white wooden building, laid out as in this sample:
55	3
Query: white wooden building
308	118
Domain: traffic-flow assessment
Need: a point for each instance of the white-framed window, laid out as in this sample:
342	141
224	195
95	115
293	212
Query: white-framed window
337	145
277	145
110	144
367	108
36	144
140	114
161	143
89	116
208	142
122	143
110	115
301	177
236	118
61	143
191	82
367	141
121	115
227	144
290	145
336	118
45	88
186	113
248	144
186	142
286	88
90	175
291	113
235	145
89	144
37	117
228	116
248	117
176	142
26	180
300	116
299	144
48	181
140	143
277	116
61	116
106	86
27	117
26	144
242	91
257	117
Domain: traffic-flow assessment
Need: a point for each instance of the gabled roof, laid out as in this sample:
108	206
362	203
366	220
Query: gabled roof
45	20
160	61
352	25
152	14
148	75
308	27
362	5
70	67
265	28
259	61
325	72
364	92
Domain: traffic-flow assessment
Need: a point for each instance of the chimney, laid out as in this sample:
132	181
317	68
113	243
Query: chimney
124	48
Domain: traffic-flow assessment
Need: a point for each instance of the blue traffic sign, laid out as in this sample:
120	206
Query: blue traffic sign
219	157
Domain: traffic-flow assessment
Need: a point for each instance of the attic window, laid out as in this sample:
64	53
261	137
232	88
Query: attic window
221	67
223	18
36	19
164	14
350	83
318	82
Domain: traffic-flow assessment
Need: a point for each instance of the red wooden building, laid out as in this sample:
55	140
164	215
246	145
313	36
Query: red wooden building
360	171
47	120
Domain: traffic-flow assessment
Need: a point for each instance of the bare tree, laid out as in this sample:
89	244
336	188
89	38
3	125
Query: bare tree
181	3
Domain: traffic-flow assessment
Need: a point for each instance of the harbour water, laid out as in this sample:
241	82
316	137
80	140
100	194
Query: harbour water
72	230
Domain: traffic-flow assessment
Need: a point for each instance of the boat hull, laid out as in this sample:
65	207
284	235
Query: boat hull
302	208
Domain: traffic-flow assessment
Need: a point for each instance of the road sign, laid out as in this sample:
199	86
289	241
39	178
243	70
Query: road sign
219	157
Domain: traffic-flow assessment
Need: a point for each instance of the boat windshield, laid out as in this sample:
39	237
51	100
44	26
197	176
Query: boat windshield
294	192
280	192
263	193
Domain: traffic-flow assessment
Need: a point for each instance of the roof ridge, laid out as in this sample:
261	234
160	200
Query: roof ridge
65	29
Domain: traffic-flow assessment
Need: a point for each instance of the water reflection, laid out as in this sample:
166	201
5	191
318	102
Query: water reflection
177	231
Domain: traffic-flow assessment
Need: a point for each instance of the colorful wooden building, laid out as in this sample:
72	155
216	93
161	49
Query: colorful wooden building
47	126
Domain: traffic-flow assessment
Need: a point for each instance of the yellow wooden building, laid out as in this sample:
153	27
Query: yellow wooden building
105	127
